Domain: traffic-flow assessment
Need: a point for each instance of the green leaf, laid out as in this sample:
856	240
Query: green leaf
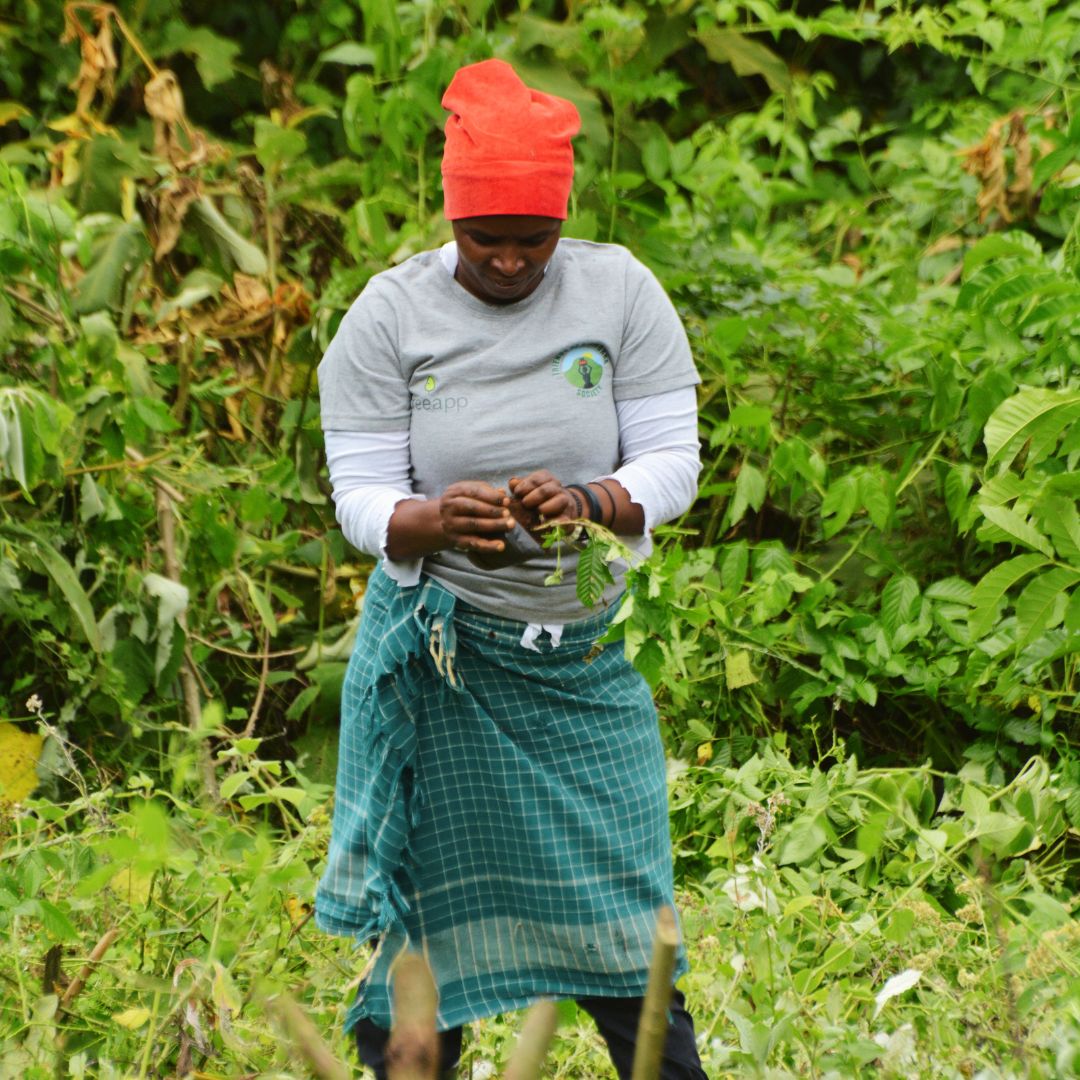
1018	527
874	498
233	248
803	839
1042	602
998	246
735	563
275	145
351	53
7	322
1035	413
123	251
56	923
737	670
898	602
839	504
60	570
750	493
593	574
213	54
232	784
197	286
746	56
988	594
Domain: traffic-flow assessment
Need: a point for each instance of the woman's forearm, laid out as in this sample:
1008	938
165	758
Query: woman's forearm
415	530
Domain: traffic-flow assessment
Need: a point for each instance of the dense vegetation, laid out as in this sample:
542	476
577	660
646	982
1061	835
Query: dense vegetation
864	638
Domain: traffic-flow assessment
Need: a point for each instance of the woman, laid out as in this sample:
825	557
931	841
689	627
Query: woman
501	800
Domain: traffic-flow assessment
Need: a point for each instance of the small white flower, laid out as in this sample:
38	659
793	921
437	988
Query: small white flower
34	704
484	1070
895	986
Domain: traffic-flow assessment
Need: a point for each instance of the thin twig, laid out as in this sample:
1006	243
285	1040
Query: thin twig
264	675
247	655
189	685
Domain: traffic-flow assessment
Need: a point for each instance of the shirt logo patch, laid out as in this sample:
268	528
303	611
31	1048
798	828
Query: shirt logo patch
583	367
429	383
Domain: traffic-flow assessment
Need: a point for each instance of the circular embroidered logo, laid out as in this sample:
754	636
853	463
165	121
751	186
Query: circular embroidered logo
583	368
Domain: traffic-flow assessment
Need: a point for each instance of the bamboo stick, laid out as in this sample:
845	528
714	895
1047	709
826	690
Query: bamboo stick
305	1039
533	1042
413	1050
653	1025
99	950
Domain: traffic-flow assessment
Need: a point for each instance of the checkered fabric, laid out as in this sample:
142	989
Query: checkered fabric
501	810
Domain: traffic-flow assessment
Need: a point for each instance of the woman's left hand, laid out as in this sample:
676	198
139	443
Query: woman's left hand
544	493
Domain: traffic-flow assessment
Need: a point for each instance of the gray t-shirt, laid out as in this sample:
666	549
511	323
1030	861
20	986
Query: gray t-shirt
490	391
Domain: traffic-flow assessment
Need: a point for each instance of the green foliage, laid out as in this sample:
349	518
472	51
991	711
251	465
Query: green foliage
868	217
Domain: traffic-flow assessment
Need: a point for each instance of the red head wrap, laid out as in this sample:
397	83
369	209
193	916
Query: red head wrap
507	146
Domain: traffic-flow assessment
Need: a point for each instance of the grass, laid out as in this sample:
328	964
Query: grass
792	950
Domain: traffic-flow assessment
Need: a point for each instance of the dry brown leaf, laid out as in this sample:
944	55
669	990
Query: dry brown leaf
172	207
943	244
987	161
97	71
854	262
251	294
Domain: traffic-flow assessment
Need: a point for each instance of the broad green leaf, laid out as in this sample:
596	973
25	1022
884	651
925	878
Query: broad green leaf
116	259
212	53
746	56
172	600
593	573
898	601
275	145
750	491
803	839
735	563
1042	602
232	784
57	925
351	53
199	285
1019	528
233	248
1061	520
951	589
1035	413
737	670
999	246
65	579
839	504
874	498
990	591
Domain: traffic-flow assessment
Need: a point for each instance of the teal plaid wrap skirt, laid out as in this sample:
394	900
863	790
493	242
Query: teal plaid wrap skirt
501	810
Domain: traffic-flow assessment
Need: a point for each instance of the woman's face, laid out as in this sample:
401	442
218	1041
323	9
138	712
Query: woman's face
502	257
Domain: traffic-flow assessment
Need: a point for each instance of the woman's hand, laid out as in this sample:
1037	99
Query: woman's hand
543	494
474	516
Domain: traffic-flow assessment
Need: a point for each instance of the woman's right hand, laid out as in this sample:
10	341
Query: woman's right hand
475	516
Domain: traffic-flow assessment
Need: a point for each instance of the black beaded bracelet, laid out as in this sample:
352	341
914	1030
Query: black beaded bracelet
595	513
611	499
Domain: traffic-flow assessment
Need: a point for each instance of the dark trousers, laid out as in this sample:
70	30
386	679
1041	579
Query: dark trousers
616	1019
